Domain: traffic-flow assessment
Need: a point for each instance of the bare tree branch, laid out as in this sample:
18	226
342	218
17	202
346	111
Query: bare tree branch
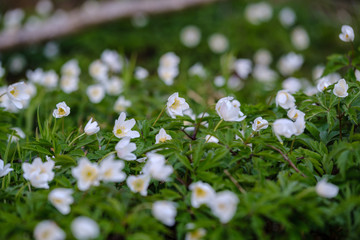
81	18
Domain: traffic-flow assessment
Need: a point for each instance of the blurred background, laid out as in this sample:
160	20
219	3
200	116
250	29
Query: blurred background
218	33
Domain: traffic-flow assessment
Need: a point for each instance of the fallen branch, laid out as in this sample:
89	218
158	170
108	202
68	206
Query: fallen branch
287	159
82	18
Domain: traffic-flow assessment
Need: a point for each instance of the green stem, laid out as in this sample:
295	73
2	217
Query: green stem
158	117
62	122
340	116
292	144
76	139
106	156
217	125
109	141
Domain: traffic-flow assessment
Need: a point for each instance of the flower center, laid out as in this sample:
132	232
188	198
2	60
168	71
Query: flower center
176	104
89	173
57	200
199	192
120	131
61	111
138	185
163	139
14	92
108	173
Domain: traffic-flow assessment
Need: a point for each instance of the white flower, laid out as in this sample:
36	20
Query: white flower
235	83
124	149
176	105
141	73
347	34
121	104
284	127
284	99
44	7
114	86
262	57
218	43
18	134
326	190
4	170
264	74
91	127
17	93
123	128
98	70
290	63
169	60
219	81
48	230
71	68
112	59
139	20
257	13
62	110
138	184
294	114
86	173
61	199
202	193
12	18
300	38
111	170
291	84
162	136
259	124
96	93
357	75
69	84
287	17
299	125
168	74
341	88
212	139
197	70
35	76
156	168
229	110
243	68
84	228
224	205
39	173
165	212
317	72
190	36
50	79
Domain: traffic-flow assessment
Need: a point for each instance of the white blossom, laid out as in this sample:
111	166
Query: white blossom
212	139
341	88
156	167
141	73
162	136
138	184
287	17
17	94
86	173
224	205
291	84
84	228
165	212
61	199
201	193
357	75
290	63
326	190
259	124
284	127
124	149
168	74
176	105
257	13
71	68
17	134
347	34
218	43
262	57
48	230
111	170
91	127
190	36
121	104
122	127
69	84
112	59
300	38
243	68
62	110
50	79
38	173
229	110
4	170
96	93
169	60
284	99
99	71
197	70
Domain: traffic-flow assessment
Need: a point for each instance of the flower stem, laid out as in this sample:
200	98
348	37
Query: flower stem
62	123
76	139
158	117
217	125
2	94
340	116
108	154
292	144
109	141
